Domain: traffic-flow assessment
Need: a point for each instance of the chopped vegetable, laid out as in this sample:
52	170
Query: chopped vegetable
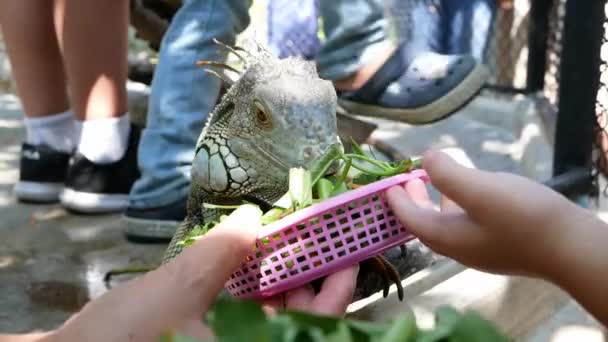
300	188
272	215
324	189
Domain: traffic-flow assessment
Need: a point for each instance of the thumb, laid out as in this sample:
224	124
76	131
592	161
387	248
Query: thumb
444	232
222	250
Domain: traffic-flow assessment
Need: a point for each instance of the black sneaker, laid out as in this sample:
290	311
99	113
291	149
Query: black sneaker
42	172
154	224
101	188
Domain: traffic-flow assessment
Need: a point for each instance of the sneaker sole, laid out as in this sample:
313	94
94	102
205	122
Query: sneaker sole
144	230
38	192
92	203
454	100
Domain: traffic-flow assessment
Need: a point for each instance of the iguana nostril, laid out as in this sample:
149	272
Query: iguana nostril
307	153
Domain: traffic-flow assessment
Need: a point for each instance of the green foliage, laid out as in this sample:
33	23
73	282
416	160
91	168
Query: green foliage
196	233
235	320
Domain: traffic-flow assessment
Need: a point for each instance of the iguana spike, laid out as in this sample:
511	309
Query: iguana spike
221	77
217	64
233	50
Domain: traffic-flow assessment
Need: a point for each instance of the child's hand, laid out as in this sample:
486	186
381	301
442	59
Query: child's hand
491	221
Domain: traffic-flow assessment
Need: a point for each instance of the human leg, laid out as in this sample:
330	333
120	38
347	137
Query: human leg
38	71
93	37
400	80
181	98
468	26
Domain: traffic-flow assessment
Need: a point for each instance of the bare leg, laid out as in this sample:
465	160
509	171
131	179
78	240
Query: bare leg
28	31
359	77
94	41
94	36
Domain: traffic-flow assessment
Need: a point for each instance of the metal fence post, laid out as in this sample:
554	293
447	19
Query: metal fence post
538	36
579	81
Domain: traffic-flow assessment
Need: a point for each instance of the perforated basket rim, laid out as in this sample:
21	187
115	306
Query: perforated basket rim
339	200
312	212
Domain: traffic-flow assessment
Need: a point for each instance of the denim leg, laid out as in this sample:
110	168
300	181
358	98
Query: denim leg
182	96
468	26
355	30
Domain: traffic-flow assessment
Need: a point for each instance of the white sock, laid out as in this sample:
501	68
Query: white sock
104	141
56	131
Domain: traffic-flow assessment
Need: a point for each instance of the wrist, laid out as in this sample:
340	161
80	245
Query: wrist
580	253
556	245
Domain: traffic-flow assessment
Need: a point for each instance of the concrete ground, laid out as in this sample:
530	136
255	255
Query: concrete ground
52	262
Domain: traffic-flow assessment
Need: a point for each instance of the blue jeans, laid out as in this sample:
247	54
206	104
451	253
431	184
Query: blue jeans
457	26
182	95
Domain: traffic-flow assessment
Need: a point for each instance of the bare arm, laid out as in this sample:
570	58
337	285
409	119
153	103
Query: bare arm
507	224
582	266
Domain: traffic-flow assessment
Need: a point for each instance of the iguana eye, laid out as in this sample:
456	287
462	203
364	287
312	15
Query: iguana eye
262	118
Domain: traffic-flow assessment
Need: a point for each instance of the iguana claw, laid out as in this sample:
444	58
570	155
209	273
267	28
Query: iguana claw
383	268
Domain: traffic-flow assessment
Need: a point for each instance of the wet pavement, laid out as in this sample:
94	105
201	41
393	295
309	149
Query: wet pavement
51	262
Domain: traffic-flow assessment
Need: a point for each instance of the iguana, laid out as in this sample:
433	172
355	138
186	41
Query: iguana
278	114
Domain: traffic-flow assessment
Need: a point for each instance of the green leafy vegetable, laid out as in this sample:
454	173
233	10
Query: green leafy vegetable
196	233
300	188
234	320
324	188
272	215
403	329
322	165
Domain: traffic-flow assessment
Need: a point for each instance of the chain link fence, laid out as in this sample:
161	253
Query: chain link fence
601	133
554	51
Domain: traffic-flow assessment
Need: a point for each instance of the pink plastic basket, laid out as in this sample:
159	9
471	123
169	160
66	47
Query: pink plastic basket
322	239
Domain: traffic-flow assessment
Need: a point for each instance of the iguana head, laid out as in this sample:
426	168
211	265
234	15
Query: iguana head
277	115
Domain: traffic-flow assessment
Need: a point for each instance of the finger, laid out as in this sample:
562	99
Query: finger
422	222
336	292
416	189
442	232
449	206
271	306
210	261
300	298
467	187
